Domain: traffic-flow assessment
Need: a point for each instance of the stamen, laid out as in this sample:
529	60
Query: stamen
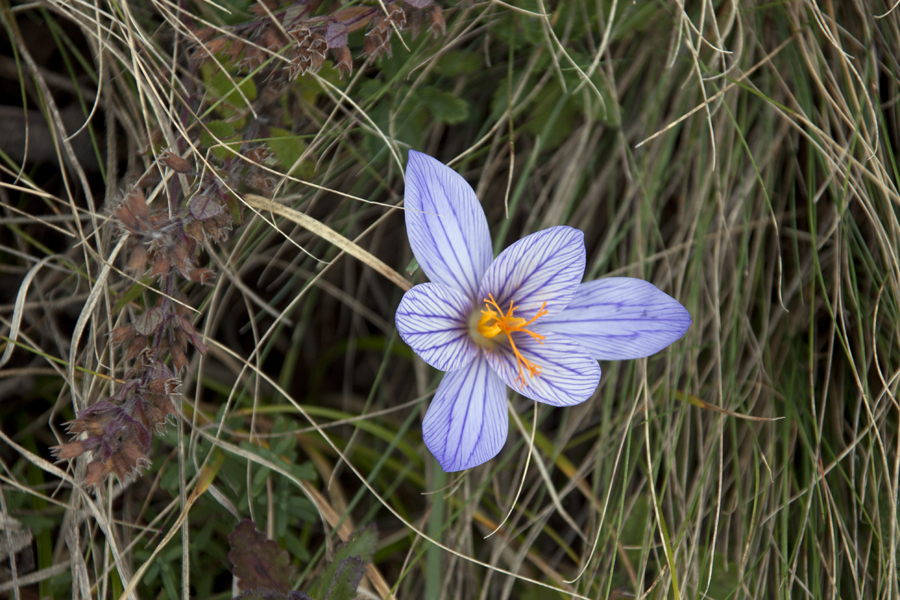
494	322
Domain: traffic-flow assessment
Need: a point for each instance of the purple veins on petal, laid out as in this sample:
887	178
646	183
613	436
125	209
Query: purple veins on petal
433	320
619	318
546	266
467	423
568	374
446	225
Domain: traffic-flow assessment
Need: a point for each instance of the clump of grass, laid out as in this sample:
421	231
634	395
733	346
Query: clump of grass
742	159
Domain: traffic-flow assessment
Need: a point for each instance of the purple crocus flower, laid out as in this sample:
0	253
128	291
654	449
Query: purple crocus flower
522	320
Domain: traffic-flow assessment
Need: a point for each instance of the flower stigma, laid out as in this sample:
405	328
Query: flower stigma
494	322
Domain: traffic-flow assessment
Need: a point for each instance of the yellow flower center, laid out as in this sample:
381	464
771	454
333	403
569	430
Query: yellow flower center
494	322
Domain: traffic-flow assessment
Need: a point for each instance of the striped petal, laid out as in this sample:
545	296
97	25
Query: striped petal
546	266
618	318
568	374
433	320
446	225
467	422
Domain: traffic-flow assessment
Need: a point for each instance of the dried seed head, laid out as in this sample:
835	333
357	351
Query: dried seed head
194	230
317	59
261	183
136	347
397	16
176	163
317	43
259	155
69	450
120	334
179	360
95	474
216	45
301	34
344	60
253	58
204	34
438	25
272	39
148	180
137	260
260	9
133	212
161	266
377	41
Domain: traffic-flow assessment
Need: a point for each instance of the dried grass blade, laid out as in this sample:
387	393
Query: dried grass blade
328	234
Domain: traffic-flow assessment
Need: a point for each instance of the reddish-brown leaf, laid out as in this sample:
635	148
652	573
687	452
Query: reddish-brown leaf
149	321
336	35
204	207
258	562
355	17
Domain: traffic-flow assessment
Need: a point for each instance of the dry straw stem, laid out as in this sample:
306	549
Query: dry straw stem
328	234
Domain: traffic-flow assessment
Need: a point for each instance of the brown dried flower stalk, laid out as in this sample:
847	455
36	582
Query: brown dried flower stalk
312	38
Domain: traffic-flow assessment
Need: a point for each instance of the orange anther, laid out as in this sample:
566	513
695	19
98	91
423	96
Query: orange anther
494	322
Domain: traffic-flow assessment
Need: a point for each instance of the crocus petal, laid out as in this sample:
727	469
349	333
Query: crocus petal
433	320
546	266
618	318
467	422
568	373
446	226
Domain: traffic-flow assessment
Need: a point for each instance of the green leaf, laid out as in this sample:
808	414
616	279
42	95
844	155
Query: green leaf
216	129
303	470
36	523
553	115
536	592
217	133
455	63
301	508
724	582
231	12
360	546
131	293
446	107
234	91
288	148
409	127
346	578
264	594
